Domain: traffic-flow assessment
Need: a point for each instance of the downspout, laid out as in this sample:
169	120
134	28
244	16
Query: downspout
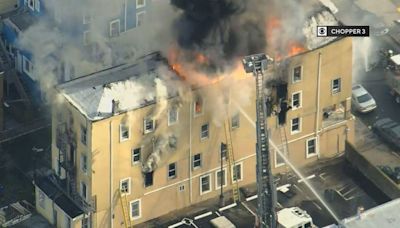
111	178
318	101
190	151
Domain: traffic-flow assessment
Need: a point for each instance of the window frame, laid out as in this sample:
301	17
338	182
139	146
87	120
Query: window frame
241	172
145	131
301	74
84	165
83	135
119	27
84	196
193	161
224	158
236	115
140	6
174	170
24	61
201	183
169	115
33	4
129	185
139	209
138	14
300	100
201	132
339	88
299	126
133	155
202	100
121	138
308	155
224	170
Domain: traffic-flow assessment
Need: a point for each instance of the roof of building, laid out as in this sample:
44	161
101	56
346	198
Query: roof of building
47	187
68	206
386	215
131	85
22	20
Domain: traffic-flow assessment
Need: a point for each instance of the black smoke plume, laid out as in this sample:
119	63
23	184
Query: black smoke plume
222	30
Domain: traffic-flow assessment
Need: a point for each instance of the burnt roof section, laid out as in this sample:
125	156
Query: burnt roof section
23	20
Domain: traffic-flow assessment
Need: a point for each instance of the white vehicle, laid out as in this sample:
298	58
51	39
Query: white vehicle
294	217
361	100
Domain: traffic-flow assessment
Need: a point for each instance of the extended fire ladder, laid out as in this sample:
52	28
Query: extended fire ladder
125	209
231	159
284	143
265	186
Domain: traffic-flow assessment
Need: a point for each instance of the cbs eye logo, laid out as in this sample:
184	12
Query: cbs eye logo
322	31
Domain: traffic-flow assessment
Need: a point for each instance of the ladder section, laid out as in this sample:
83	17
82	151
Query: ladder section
284	143
125	209
231	159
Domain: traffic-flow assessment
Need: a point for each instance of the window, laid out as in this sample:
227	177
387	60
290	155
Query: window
295	125
297	71
148	179
148	125
31	4
181	188
140	3
235	122
279	161
218	176
198	106
172	116
336	87
42	199
136	155
140	18
37	5
311	147
84	163
204	132
205	184
27	65
83	135
123	132
172	170
196	161
83	190
135	209
125	186
86	37
223	151
114	28
296	100
237	171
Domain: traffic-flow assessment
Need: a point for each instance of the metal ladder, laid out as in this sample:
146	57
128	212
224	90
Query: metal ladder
284	143
231	159
125	209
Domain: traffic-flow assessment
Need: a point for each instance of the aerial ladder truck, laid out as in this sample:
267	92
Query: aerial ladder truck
266	213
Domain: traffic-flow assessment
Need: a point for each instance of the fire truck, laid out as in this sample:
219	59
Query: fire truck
392	76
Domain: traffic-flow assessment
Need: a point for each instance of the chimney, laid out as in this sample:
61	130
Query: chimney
115	107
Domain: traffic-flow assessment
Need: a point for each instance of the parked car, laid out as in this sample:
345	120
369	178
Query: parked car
389	130
361	100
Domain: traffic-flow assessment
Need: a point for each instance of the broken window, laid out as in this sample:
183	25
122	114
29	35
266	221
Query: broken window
198	106
172	142
84	163
123	132
220	177
296	100
83	135
114	28
135	209
148	179
148	125
204	131
237	172
172	116
125	186
297	74
235	122
172	170
224	151
295	125
205	184
197	160
311	147
336	85
140	18
136	155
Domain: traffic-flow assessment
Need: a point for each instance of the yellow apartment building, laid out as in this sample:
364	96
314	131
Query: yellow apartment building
117	148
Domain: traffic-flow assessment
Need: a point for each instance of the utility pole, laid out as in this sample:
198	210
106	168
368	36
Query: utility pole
266	213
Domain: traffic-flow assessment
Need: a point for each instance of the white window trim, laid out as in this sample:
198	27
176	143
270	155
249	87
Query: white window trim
340	86
291	126
140	155
276	159
316	147
140	209
201	132
33	7
37	5
119	27
216	178
144	125
24	59
176	169
197	167
129	185
300	100
140	6
241	172
202	107
137	17
121	139
301	74
177	117
209	182
85	38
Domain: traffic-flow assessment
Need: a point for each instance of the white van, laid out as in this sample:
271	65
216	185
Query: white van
361	100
